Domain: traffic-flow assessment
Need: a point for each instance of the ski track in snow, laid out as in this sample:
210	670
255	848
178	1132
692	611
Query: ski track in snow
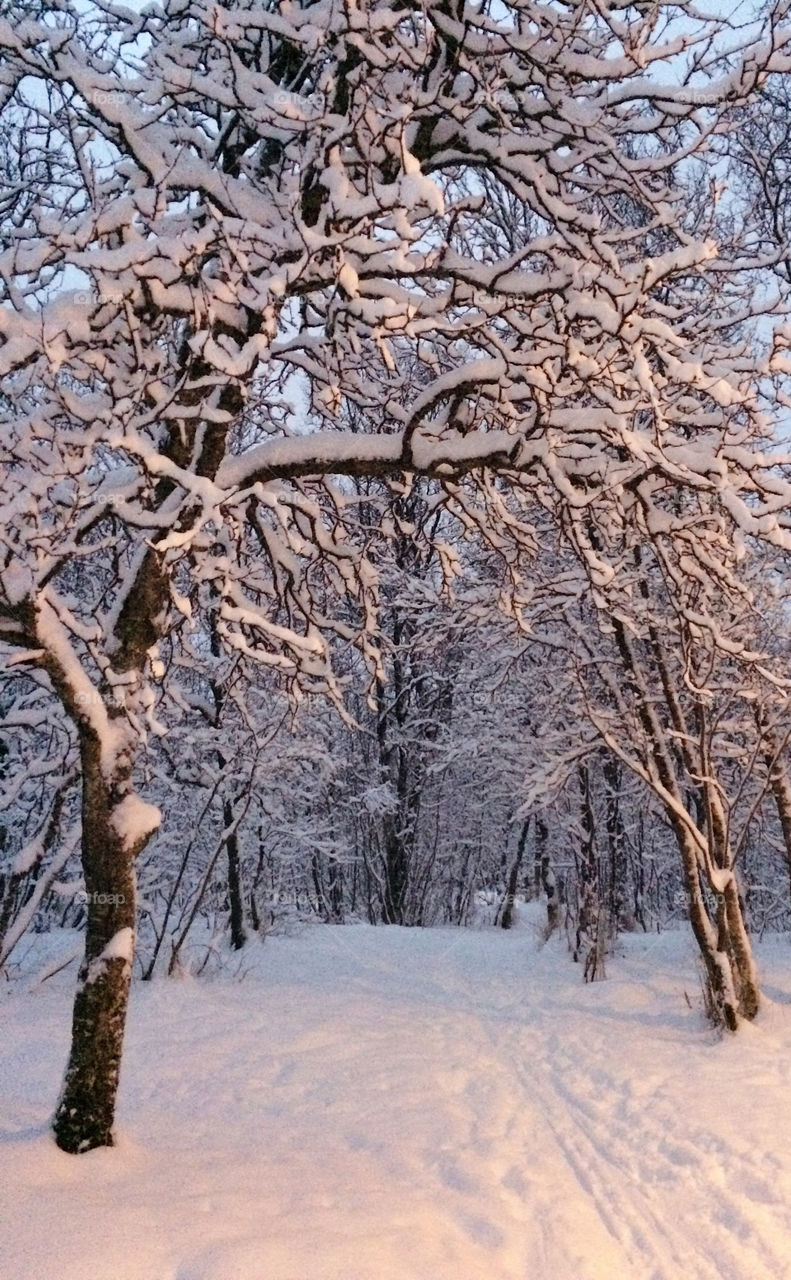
412	1105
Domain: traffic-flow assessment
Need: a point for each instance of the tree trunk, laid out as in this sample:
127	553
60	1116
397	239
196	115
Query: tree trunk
509	909
741	951
235	899
724	944
588	942
335	874
616	843
780	785
548	882
115	827
396	871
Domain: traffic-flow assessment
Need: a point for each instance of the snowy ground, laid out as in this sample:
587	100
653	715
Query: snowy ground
403	1105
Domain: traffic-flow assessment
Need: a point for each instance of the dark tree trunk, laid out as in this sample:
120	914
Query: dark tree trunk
396	871
85	1112
255	915
616	842
231	839
335	873
548	882
588	943
509	909
235	899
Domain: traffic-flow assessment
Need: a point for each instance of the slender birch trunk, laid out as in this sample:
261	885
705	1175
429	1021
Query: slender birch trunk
724	943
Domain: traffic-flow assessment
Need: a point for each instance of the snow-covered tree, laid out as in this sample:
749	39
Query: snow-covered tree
242	218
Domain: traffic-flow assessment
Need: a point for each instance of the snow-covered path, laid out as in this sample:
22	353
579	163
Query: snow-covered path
405	1105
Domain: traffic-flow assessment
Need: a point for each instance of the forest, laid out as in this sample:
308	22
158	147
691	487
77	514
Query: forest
395	487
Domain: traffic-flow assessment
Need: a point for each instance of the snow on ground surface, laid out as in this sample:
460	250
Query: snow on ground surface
392	1104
